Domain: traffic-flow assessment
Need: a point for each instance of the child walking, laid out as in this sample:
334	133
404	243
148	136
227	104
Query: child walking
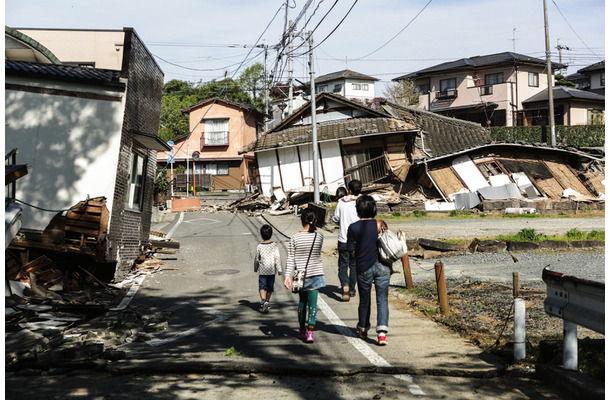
267	262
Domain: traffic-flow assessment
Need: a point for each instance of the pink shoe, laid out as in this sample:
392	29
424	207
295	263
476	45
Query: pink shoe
382	339
309	338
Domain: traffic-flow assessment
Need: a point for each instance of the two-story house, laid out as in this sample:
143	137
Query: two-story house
218	130
486	89
592	78
86	133
349	84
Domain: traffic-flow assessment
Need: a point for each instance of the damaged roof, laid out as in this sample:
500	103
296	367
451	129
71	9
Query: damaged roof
330	130
441	135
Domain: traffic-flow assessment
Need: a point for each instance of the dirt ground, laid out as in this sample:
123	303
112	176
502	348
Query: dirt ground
482	312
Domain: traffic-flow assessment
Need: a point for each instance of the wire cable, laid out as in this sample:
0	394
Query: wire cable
394	37
583	42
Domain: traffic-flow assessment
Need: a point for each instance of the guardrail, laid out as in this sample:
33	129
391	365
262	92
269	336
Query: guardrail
578	302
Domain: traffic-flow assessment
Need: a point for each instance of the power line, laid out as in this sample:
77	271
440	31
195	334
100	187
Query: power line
394	37
577	35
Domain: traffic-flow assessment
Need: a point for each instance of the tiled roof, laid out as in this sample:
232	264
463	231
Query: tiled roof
62	72
345	74
565	93
478	62
247	107
594	67
330	130
441	135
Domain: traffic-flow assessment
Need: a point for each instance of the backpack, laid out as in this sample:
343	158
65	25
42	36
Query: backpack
391	247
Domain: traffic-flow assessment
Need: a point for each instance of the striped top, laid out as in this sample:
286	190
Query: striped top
298	251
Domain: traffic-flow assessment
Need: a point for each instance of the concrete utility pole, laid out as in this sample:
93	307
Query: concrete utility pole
266	94
549	76
290	77
560	47
314	129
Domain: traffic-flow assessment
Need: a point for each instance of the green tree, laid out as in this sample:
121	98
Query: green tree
560	80
403	93
252	80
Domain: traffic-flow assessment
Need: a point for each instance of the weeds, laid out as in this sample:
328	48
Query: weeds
420	213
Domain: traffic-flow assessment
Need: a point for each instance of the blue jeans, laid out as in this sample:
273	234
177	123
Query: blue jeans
347	267
379	275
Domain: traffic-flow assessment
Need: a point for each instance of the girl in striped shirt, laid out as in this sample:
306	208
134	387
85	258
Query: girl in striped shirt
305	253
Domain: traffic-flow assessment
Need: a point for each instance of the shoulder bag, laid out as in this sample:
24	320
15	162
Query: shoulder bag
391	247
298	277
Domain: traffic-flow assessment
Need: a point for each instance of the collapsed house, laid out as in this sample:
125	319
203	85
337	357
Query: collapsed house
89	137
453	163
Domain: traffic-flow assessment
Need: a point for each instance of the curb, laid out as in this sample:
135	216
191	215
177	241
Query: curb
572	384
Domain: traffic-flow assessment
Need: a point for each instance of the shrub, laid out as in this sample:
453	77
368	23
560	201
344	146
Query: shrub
575	234
528	235
420	213
597	235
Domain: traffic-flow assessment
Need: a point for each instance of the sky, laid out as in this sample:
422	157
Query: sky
204	40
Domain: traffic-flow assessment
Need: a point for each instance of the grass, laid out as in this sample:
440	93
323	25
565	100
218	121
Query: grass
531	235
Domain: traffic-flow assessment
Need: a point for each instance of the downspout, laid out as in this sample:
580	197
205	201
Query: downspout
426	168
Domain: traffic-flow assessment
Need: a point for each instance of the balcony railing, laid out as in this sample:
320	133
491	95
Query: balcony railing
369	171
447	94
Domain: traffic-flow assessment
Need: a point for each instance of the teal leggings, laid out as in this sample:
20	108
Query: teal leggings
308	298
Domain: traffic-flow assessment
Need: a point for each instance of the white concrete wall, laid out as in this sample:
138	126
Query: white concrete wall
70	145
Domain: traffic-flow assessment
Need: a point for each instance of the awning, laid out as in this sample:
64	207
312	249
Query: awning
151	142
473	107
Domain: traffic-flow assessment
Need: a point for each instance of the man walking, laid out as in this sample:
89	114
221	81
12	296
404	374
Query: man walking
345	215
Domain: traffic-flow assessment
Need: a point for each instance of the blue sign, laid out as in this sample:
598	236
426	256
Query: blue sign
170	144
171	160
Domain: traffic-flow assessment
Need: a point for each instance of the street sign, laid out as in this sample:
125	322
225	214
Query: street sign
171	160
170	144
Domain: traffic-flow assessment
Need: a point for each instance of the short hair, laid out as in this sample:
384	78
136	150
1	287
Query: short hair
341	192
366	207
308	216
355	186
266	232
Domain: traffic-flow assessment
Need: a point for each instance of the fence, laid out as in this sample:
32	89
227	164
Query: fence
201	180
576	136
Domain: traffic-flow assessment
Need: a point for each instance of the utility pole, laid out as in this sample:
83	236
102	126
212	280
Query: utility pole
290	77
514	39
560	47
314	129
549	76
266	83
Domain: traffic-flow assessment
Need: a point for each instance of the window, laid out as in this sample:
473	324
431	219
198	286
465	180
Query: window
216	132
135	182
486	90
532	79
337	88
321	89
356	86
218	168
492	79
602	79
489	169
448	88
423	89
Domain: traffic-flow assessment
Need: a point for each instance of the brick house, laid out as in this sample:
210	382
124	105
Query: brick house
85	132
219	129
489	89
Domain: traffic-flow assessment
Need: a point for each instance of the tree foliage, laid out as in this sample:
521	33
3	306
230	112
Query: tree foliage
252	80
178	95
560	80
403	93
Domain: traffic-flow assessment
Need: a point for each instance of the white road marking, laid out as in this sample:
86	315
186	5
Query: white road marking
202	219
132	292
220	316
171	232
362	347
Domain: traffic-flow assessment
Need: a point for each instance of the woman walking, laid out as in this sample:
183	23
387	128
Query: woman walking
305	254
362	241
